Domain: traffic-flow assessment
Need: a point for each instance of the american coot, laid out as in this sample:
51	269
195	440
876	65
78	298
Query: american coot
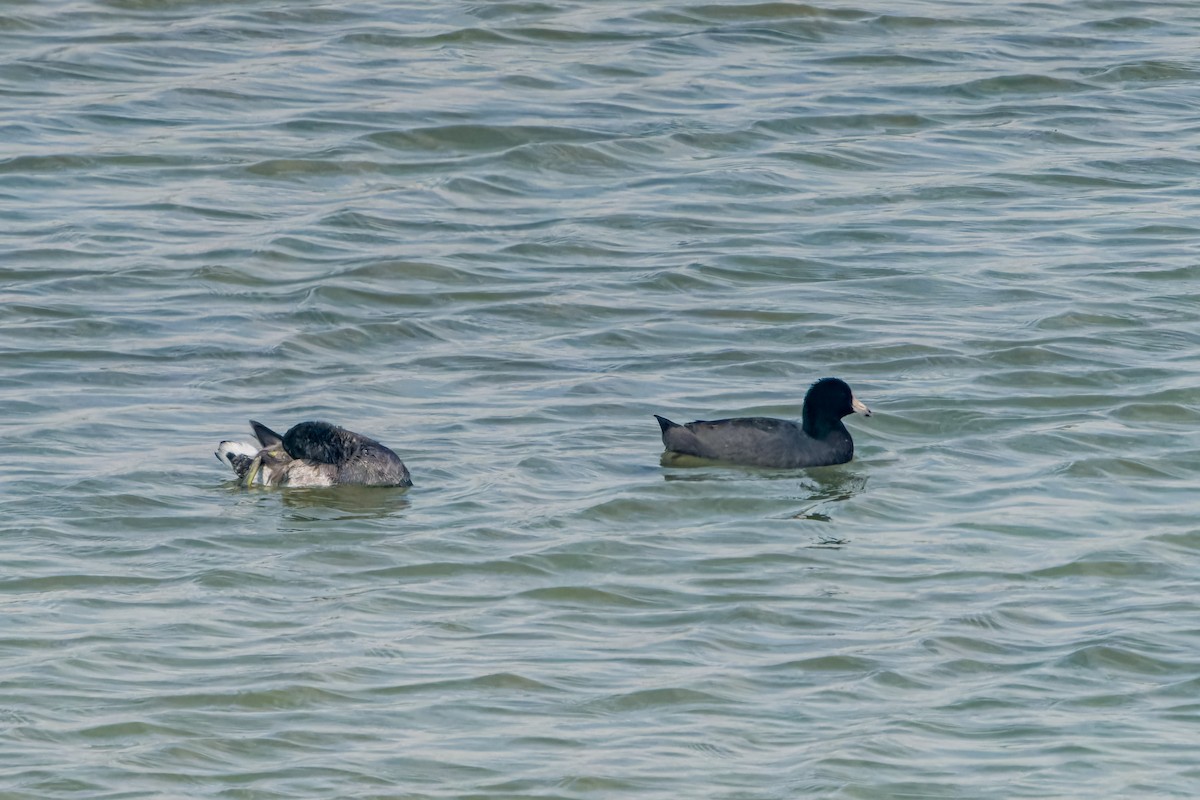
313	454
820	438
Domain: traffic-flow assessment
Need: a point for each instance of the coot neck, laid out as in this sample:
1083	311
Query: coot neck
818	427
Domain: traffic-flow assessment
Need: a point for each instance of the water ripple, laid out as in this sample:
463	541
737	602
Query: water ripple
500	237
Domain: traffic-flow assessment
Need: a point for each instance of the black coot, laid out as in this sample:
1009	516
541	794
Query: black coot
819	440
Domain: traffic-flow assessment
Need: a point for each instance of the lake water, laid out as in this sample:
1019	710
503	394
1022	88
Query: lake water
498	236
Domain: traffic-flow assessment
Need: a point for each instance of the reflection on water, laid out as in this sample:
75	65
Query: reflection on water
346	502
830	487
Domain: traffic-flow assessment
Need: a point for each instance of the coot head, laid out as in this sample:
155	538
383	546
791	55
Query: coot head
827	401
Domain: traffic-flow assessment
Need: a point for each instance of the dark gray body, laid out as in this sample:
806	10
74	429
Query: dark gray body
759	442
819	440
339	455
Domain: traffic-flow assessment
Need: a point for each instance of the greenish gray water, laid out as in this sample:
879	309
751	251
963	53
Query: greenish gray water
498	236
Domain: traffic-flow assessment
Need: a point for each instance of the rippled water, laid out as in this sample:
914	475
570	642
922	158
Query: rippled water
498	236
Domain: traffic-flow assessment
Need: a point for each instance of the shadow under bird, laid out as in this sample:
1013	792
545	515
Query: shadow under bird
313	454
819	440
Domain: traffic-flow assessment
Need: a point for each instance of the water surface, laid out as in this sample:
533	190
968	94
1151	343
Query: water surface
498	237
